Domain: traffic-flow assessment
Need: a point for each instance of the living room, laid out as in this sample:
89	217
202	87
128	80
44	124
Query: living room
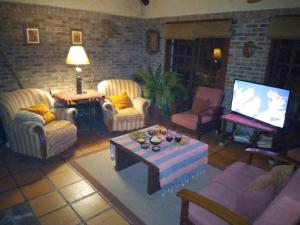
80	59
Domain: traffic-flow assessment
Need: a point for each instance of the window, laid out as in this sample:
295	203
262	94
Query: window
199	62
284	65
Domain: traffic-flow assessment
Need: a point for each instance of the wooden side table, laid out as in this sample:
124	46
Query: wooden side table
90	100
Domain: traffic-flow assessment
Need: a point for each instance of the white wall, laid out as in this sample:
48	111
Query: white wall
129	8
168	8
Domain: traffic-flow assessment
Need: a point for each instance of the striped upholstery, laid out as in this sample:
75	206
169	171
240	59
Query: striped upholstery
123	119
22	136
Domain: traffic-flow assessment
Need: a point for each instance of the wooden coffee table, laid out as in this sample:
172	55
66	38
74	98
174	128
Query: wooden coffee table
128	152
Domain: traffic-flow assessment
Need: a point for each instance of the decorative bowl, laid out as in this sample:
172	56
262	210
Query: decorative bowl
155	148
155	140
145	145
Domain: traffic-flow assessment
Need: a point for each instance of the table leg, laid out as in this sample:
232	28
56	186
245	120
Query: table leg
224	131
153	179
123	160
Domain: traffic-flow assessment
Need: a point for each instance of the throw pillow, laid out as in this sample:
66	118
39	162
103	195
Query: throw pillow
29	116
43	110
121	101
199	105
253	200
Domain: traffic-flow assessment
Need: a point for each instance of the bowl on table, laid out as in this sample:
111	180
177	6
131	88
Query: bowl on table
155	140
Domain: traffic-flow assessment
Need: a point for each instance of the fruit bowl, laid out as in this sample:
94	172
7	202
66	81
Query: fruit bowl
155	140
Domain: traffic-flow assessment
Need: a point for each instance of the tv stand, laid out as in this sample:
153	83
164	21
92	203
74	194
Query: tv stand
252	123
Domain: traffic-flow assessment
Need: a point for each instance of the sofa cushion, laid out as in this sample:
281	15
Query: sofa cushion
216	192
253	200
282	211
238	176
189	120
291	189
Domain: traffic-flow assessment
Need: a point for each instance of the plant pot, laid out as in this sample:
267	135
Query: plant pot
154	112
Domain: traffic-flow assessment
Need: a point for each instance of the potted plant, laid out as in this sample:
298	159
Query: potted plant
162	88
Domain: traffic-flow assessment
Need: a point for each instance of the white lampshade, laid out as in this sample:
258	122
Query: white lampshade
77	56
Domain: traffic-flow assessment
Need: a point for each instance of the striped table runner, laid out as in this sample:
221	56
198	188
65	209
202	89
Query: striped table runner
177	163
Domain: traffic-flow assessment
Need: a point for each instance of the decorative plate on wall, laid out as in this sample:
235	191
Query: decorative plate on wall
248	49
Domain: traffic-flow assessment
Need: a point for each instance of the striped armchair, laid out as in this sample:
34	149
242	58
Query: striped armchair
124	119
32	138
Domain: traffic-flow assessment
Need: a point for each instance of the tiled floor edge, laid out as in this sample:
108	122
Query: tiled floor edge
115	201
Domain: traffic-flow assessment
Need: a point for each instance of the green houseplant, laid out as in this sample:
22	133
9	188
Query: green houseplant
163	88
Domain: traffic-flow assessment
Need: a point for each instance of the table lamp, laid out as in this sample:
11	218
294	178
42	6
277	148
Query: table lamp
77	56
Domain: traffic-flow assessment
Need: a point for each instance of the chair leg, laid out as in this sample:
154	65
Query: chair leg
174	126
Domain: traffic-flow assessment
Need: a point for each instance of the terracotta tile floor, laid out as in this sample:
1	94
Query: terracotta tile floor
57	194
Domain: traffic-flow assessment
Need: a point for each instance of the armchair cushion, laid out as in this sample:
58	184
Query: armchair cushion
57	132
121	101
41	109
24	115
189	120
199	104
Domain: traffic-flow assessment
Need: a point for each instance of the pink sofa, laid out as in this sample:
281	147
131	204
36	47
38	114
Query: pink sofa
284	209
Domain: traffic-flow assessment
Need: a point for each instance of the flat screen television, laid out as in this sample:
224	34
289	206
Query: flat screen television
261	102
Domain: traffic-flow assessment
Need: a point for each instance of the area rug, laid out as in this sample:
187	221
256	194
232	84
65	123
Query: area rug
127	189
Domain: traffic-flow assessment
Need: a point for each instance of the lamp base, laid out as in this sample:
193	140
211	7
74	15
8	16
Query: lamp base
78	85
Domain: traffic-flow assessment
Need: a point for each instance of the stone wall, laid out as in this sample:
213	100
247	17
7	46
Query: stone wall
247	26
113	44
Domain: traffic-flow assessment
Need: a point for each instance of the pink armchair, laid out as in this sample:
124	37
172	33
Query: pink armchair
205	113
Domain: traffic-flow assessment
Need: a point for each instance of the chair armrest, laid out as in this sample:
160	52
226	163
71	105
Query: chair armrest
69	114
212	206
141	104
216	112
108	106
29	130
273	155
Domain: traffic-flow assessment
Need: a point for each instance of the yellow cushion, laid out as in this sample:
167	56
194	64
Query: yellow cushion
43	110
120	101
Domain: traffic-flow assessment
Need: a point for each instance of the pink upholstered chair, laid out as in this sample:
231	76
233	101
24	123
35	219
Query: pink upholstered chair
205	113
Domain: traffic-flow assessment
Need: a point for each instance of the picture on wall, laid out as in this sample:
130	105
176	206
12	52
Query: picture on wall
32	36
152	41
76	37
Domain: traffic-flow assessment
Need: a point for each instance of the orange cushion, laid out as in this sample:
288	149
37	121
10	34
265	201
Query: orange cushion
121	101
43	110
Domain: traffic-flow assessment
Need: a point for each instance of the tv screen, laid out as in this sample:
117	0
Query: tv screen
264	103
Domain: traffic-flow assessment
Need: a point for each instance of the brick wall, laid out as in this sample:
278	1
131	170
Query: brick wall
247	26
113	44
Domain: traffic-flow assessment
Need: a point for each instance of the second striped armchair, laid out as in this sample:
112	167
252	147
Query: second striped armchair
124	119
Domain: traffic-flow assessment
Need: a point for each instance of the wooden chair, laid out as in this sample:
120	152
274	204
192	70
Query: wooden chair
205	113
